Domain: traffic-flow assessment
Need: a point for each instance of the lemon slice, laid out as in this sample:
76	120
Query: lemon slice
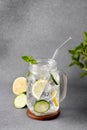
38	88
19	85
54	98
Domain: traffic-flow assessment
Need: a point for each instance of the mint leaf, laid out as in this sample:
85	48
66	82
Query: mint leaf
85	43
83	74
71	64
85	69
84	58
29	59
76	56
85	36
79	64
72	51
80	48
79	56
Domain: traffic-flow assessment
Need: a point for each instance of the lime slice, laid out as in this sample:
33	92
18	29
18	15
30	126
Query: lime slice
38	88
41	106
20	101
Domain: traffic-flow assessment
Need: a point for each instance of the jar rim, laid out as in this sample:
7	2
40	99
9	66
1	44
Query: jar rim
46	63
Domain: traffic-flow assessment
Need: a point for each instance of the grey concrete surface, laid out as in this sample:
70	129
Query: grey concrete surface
37	27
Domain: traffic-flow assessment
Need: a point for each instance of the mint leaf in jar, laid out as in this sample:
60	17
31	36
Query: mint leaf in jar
29	59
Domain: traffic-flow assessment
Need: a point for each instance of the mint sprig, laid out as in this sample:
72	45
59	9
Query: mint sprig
79	56
29	59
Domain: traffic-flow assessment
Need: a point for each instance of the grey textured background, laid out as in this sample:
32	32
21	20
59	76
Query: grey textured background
37	27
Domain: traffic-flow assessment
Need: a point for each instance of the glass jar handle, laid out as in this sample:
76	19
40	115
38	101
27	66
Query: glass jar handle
63	86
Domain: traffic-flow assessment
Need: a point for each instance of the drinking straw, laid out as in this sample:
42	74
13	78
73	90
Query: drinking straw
57	50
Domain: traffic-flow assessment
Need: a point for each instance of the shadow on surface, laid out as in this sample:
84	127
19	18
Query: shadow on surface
74	110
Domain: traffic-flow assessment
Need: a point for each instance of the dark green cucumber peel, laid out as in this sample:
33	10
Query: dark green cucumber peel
53	79
41	106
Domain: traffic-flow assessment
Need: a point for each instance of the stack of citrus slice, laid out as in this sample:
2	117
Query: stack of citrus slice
19	89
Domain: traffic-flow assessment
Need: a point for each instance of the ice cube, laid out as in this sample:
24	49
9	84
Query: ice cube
44	73
47	94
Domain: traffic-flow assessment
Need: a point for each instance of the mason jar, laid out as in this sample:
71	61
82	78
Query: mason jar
46	88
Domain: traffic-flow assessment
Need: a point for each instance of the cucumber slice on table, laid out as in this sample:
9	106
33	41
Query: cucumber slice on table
41	106
20	101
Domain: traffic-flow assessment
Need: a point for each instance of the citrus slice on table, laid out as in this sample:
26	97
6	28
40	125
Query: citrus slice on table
54	98
19	85
20	101
38	88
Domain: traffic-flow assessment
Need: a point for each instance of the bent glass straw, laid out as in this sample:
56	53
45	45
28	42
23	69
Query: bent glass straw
56	51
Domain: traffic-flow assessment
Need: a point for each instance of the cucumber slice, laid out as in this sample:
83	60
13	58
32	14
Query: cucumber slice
20	101
41	106
55	77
